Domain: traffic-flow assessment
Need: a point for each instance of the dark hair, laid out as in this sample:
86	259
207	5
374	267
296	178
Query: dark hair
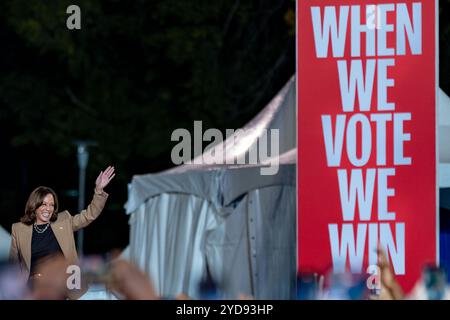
34	201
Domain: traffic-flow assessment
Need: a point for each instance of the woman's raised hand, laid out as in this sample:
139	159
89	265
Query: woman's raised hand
104	178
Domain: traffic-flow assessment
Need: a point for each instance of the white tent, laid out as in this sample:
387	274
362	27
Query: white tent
229	220
5	242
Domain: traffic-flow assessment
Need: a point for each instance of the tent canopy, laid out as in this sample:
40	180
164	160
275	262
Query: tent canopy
226	219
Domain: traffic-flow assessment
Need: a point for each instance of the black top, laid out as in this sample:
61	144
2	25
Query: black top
43	245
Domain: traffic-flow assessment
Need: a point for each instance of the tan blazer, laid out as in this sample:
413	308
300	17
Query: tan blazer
63	228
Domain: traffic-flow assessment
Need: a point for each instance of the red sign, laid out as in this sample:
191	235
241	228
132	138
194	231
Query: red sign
366	91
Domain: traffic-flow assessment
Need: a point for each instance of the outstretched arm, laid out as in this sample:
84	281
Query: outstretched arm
94	209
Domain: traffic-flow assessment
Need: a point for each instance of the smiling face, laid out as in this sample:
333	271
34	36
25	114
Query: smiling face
45	210
41	207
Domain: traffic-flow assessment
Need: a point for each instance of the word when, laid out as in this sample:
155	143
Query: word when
338	29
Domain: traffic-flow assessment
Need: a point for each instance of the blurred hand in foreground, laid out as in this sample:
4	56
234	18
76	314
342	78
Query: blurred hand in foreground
50	280
130	282
390	289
